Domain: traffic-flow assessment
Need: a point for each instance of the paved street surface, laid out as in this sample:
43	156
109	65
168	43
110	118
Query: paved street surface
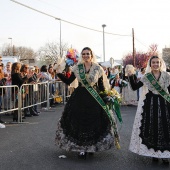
30	146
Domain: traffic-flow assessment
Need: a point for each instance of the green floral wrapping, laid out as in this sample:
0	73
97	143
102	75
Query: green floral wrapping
116	108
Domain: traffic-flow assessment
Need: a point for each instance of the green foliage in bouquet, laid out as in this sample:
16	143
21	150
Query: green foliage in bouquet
113	100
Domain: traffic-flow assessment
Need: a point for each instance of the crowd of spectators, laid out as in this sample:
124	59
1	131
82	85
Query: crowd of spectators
19	74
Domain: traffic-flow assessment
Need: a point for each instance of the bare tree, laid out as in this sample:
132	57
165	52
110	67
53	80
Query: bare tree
45	55
52	51
166	55
23	52
6	50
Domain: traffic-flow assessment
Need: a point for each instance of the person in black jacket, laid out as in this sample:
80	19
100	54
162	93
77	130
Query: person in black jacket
18	80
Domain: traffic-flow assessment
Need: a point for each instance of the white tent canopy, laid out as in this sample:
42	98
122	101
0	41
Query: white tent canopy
107	64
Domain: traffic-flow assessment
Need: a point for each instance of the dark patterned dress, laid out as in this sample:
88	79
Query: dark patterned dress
151	129
84	125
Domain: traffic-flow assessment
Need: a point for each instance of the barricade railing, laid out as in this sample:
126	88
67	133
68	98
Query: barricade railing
56	91
27	96
40	94
8	98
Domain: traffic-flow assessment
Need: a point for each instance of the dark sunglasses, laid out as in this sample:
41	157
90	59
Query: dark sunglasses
85	53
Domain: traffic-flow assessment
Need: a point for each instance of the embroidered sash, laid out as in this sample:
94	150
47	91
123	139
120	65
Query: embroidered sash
157	86
97	97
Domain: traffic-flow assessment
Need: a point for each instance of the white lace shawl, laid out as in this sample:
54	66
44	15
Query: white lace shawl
164	82
96	71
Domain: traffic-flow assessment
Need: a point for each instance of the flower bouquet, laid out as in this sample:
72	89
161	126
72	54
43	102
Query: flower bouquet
113	100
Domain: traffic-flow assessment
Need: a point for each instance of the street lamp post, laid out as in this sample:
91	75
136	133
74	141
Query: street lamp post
60	37
103	42
60	33
11	46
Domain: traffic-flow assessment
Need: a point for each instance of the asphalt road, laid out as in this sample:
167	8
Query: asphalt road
31	146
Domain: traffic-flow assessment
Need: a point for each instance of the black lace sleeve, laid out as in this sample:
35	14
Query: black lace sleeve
133	82
66	80
100	84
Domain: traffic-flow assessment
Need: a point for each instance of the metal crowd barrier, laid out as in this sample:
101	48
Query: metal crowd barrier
8	98
30	95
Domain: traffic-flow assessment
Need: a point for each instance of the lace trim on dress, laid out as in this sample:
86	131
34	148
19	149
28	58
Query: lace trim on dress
64	143
136	145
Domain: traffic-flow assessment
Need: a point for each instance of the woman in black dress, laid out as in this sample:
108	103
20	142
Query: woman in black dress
151	129
84	126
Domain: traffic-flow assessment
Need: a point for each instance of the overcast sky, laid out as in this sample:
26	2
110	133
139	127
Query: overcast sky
149	18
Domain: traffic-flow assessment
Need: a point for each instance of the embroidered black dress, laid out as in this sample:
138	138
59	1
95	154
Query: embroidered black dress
151	130
84	125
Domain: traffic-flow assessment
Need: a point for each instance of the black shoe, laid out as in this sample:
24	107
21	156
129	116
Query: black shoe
28	115
82	155
1	121
15	119
165	161
52	105
91	153
35	114
15	116
155	159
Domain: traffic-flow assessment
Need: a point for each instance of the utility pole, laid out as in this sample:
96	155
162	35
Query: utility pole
103	42
133	43
60	37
